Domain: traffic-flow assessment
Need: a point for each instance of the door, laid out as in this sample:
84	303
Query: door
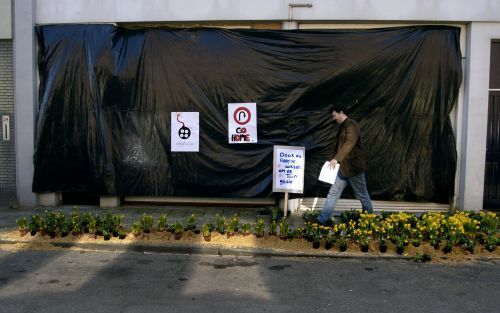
492	171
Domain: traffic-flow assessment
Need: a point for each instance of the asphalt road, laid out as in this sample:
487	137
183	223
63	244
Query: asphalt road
69	281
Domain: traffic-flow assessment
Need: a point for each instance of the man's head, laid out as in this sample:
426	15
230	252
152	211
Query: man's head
338	113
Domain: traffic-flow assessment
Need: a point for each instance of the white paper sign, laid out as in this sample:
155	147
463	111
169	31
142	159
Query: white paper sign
242	122
288	169
329	174
185	131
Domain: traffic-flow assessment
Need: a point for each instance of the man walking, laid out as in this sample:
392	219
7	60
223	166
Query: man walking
347	150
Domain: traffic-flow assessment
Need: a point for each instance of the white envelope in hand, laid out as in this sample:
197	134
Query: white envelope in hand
329	174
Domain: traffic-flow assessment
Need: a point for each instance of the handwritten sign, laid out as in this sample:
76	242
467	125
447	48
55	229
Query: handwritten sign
288	169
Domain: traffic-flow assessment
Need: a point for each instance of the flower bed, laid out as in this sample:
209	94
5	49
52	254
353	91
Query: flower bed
432	234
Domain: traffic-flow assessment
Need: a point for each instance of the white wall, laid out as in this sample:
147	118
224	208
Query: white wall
96	11
5	20
24	98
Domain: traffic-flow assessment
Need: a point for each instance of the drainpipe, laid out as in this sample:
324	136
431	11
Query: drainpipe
291	6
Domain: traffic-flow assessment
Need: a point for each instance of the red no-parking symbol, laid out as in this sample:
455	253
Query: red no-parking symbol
242	116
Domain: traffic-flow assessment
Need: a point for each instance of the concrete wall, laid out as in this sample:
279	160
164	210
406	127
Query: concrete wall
82	11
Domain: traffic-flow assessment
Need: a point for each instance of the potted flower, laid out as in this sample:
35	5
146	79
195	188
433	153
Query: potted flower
65	228
50	223
272	228
309	231
162	222
207	232
22	226
448	246
342	243
234	222
490	243
400	243
122	234
34	224
178	230
220	224
364	242
259	228
310	215
469	245
117	224
230	230
330	240
92	227
245	229
191	224
316	238
136	228
146	223
283	229
75	223
106	234
298	233
382	245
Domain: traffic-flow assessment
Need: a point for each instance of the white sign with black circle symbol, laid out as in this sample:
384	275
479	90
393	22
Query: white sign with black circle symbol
185	131
242	122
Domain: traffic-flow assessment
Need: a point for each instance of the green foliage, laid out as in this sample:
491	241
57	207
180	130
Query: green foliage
191	222
136	228
22	223
283	228
310	215
422	257
351	215
206	230
245	228
220	223
178	227
259	228
162	222
146	223
272	228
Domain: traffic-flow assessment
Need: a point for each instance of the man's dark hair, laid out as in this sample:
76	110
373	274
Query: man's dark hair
338	107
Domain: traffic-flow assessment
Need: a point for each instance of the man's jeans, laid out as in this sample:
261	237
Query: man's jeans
358	185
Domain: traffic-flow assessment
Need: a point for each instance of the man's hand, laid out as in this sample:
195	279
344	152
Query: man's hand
333	163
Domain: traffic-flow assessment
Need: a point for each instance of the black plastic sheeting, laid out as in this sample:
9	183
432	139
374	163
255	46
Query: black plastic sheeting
106	93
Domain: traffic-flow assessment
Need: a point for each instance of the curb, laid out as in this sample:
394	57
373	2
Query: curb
180	248
200	250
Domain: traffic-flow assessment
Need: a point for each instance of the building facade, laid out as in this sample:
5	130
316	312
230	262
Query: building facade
479	21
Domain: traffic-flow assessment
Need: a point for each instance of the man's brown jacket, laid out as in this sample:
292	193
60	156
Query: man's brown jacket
348	150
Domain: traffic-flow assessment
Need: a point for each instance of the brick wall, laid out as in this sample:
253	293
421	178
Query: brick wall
7	148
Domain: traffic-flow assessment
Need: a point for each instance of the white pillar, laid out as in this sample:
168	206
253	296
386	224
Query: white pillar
475	113
24	97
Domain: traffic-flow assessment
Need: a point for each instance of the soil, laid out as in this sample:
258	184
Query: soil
296	246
